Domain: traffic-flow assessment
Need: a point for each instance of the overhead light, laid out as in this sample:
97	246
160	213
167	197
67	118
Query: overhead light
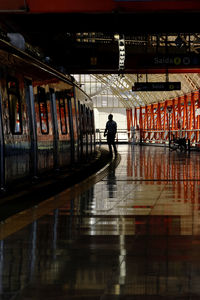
17	40
121	44
116	36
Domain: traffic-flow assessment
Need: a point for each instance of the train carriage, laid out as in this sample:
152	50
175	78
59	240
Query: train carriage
46	120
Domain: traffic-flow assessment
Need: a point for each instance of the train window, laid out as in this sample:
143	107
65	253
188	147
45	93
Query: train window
92	121
43	112
14	106
63	119
79	114
83	119
88	120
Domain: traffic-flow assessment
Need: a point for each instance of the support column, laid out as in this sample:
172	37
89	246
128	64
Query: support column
141	125
179	108
185	115
129	121
198	117
158	120
173	116
193	116
152	118
146	118
152	123
135	118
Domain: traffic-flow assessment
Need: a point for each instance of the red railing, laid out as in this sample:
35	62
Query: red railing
179	117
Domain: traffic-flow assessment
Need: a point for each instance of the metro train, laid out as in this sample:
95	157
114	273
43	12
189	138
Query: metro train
46	120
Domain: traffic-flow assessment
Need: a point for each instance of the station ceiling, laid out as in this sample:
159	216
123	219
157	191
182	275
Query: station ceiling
95	6
121	87
157	42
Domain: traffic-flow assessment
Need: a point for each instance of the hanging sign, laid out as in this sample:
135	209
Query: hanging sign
156	86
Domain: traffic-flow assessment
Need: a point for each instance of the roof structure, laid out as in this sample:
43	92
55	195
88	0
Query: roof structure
120	87
118	57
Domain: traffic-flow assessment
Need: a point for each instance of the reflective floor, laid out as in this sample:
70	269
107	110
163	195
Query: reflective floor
133	235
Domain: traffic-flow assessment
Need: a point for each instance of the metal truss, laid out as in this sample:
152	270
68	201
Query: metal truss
121	87
150	109
174	42
157	44
178	117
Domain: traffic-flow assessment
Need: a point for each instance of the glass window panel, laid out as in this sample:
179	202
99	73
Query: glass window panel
87	78
87	89
115	102
83	119
43	112
63	120
110	102
93	89
15	120
93	79
99	102
14	106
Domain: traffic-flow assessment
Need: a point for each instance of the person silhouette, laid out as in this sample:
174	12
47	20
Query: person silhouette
110	131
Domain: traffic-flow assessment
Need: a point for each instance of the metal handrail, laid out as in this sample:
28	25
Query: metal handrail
100	136
156	136
136	136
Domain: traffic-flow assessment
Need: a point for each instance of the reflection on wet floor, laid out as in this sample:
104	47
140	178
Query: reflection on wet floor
133	235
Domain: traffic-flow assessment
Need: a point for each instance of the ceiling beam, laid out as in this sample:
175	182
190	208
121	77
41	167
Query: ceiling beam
47	6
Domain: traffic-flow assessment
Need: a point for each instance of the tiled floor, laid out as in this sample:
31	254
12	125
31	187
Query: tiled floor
133	235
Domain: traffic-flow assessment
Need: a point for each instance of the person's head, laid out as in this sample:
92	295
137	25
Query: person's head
110	117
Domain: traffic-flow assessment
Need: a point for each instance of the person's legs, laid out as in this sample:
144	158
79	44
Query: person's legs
115	148
112	140
109	141
110	148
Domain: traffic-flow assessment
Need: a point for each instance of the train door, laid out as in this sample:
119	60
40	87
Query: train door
84	130
32	125
75	129
2	149
88	132
91	137
45	135
64	142
80	130
77	125
93	131
70	114
17	132
54	128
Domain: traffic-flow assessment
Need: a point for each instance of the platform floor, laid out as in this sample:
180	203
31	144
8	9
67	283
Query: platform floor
135	234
